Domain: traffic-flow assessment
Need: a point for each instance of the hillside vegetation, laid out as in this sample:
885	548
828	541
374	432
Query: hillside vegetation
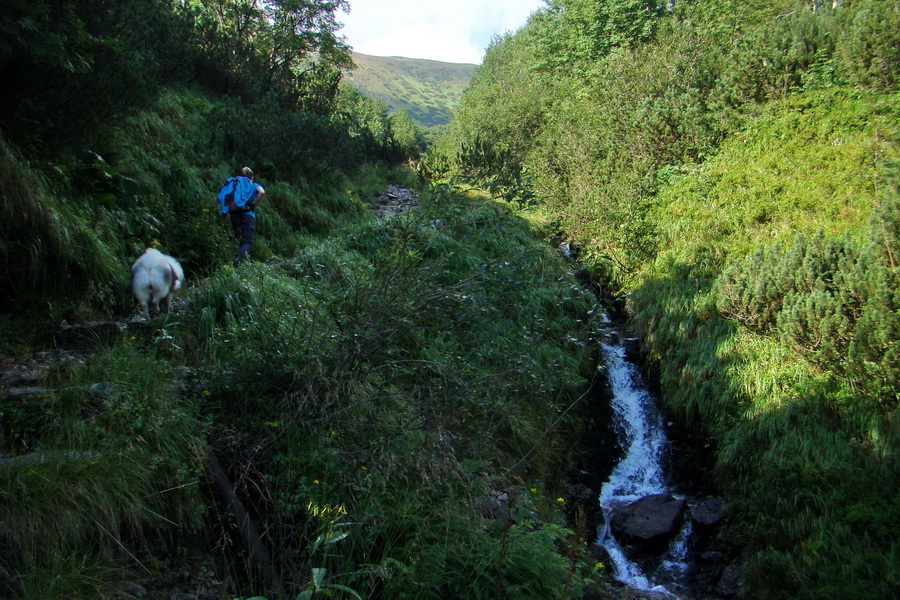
428	90
733	168
367	408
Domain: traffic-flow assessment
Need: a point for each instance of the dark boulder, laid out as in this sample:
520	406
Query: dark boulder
730	582
709	512
650	517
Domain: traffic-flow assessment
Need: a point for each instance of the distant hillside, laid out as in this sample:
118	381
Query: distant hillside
428	90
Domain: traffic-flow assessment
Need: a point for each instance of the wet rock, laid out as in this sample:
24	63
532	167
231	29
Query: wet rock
28	391
706	577
579	493
102	390
730	582
650	517
583	511
709	512
39	458
18	379
634	349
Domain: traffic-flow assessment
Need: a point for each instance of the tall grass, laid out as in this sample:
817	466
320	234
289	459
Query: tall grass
51	249
113	468
403	371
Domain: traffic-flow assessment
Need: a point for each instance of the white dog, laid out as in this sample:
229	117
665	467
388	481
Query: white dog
155	277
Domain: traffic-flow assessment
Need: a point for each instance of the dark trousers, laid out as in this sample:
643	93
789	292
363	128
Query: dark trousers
243	225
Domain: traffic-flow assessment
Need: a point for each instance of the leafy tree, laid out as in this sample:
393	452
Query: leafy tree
261	44
297	28
407	134
502	112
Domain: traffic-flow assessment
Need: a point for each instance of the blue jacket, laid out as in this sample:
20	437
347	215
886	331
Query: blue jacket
245	192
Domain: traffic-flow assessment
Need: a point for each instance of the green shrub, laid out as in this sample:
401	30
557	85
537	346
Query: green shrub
772	337
831	299
869	44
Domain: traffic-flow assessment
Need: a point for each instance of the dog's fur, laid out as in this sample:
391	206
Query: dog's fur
155	278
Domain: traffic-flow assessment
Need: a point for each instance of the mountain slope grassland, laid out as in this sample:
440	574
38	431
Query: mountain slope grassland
365	384
393	402
733	169
428	90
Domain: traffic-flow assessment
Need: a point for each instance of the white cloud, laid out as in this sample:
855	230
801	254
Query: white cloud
454	31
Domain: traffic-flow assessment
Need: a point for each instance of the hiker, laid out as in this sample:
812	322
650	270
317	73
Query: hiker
239	198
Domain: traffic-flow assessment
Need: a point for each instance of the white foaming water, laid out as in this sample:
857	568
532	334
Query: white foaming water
640	472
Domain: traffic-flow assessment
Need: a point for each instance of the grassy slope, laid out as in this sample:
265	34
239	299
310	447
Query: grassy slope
811	469
361	377
428	90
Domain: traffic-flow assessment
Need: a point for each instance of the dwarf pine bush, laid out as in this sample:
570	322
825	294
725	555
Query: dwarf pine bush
832	299
772	323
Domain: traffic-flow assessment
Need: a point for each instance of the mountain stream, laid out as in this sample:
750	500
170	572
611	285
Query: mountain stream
640	428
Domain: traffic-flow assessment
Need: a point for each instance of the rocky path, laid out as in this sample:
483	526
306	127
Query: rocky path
394	201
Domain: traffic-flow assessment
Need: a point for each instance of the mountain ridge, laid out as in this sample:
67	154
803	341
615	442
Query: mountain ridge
429	90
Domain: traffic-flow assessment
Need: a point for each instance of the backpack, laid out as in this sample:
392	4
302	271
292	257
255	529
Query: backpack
236	196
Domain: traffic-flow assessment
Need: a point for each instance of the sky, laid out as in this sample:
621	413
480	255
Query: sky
456	31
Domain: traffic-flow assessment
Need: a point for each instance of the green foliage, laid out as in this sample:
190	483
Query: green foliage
824	297
729	164
503	120
75	66
598	136
517	560
407	134
405	368
289	47
869	47
395	360
773	61
579	32
769	318
52	248
400	369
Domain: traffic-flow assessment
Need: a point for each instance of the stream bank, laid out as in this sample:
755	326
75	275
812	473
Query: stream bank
643	541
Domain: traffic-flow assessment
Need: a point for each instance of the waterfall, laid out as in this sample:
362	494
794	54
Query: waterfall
639	473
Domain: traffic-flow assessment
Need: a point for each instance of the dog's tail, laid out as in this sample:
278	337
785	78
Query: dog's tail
177	274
